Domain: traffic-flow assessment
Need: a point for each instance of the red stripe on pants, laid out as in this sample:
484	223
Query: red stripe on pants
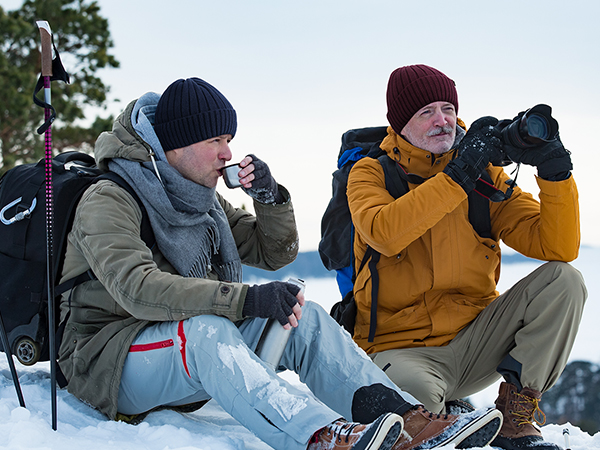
182	342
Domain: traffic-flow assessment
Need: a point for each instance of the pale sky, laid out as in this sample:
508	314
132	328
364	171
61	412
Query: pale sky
300	73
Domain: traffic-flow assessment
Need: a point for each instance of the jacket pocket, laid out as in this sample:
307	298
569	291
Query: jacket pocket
481	269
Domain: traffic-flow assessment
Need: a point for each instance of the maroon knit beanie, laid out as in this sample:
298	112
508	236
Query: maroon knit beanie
412	87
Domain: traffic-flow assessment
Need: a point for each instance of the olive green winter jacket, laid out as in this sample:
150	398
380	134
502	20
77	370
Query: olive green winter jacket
137	286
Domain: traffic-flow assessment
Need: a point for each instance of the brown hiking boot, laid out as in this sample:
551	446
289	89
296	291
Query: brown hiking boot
458	407
520	410
423	429
341	435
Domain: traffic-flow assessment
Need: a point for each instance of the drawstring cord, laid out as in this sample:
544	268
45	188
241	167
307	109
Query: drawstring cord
156	168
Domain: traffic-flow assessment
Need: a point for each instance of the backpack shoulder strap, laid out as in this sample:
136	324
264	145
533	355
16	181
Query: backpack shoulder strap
394	183
479	210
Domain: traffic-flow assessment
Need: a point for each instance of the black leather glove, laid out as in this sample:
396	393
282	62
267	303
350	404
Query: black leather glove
273	300
264	187
481	144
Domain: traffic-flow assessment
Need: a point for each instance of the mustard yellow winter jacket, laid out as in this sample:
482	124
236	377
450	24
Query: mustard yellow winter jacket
435	273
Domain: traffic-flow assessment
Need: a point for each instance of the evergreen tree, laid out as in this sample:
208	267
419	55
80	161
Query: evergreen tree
575	398
83	39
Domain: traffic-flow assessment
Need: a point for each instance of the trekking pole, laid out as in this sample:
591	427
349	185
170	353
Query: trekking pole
11	363
566	436
46	38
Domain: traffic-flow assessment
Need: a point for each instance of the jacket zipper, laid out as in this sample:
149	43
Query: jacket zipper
151	346
167	343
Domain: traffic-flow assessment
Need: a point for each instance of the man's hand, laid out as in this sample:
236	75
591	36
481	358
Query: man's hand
258	182
275	300
552	160
481	144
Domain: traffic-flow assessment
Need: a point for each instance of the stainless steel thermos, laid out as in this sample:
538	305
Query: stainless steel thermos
274	338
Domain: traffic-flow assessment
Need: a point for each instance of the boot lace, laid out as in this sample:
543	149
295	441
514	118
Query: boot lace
527	410
338	430
431	415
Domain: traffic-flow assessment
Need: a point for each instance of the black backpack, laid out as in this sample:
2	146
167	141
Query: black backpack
23	265
337	231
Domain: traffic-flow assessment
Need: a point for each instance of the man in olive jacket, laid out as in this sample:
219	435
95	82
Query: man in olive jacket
443	332
172	324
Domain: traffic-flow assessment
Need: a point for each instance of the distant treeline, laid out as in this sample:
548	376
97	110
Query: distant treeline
309	265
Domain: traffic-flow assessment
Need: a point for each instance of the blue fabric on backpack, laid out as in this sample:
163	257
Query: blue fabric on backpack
344	275
344	280
353	154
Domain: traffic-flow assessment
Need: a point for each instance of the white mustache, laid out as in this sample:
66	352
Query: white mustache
447	129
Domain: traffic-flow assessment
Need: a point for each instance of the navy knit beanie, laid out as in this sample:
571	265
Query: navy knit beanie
191	111
412	87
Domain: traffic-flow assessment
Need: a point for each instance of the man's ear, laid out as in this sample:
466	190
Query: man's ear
173	155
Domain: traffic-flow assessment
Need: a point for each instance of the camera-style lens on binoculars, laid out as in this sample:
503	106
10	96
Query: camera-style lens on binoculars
533	128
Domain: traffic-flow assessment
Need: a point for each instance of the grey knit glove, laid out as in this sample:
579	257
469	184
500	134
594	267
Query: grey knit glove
273	300
264	187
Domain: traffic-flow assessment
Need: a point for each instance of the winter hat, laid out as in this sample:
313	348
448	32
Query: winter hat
191	111
412	87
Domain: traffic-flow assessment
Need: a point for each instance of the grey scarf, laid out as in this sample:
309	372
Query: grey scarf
189	224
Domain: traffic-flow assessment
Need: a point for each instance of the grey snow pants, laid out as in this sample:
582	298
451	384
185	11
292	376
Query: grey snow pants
175	363
534	323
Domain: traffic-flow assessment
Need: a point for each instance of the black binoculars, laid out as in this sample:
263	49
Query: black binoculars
532	128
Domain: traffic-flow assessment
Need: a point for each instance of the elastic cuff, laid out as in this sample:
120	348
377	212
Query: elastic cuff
246	300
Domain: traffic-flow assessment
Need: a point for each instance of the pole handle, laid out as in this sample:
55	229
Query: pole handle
46	38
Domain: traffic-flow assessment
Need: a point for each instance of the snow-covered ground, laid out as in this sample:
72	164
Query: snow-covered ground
80	427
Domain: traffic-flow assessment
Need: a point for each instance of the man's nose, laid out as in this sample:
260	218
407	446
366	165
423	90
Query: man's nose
225	153
439	118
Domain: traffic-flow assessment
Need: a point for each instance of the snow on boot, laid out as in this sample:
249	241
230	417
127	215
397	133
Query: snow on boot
424	429
341	435
458	407
520	410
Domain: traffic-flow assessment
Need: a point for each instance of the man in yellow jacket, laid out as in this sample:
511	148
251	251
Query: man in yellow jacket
443	332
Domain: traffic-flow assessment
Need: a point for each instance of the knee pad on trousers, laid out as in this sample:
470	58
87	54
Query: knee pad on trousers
370	402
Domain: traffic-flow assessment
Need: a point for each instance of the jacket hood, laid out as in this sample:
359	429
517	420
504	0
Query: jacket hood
132	136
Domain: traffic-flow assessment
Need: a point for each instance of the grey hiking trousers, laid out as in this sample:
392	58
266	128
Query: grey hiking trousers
531	326
176	363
